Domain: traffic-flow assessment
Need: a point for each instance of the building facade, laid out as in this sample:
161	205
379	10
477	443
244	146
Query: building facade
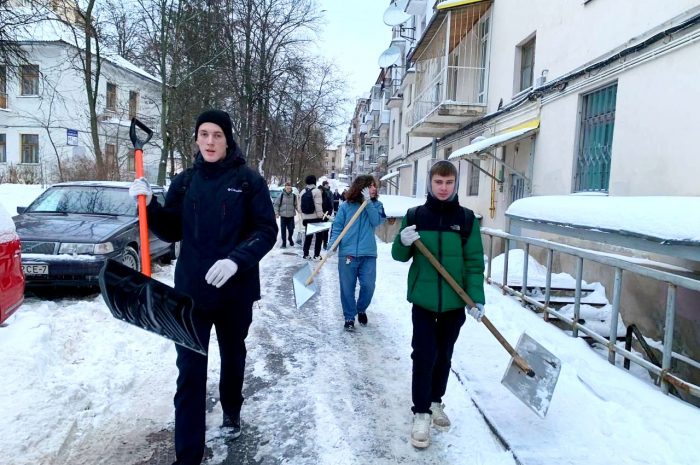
44	116
562	109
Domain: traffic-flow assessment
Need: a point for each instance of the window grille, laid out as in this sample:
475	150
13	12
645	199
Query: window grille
595	140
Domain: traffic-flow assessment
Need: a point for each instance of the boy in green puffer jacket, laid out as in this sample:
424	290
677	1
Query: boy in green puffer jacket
452	234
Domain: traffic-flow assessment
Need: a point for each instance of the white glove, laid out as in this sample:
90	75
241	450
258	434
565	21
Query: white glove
141	186
220	272
365	194
409	235
477	312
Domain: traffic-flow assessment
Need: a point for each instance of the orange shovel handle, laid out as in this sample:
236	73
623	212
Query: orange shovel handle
143	219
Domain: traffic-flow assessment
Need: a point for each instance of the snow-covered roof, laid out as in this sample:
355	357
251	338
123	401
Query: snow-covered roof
53	30
664	219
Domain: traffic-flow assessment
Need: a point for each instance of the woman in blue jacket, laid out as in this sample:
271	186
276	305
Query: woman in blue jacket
357	251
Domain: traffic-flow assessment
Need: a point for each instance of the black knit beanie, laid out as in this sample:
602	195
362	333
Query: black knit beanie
311	179
221	119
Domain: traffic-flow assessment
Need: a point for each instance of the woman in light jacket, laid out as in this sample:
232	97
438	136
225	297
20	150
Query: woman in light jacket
357	251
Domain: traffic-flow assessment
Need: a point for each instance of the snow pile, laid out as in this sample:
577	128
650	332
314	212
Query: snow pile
395	206
18	195
661	218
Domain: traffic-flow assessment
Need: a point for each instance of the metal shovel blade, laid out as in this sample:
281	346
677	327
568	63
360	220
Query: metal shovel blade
313	228
302	291
536	391
149	304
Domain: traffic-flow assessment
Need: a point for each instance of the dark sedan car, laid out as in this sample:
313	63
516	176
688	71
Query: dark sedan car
69	231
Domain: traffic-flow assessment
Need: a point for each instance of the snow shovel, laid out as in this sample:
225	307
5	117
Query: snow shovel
532	371
303	280
313	228
138	299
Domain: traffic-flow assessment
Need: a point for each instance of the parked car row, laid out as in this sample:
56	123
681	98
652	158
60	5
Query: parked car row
69	231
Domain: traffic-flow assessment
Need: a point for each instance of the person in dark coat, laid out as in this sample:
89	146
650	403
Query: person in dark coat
221	212
336	201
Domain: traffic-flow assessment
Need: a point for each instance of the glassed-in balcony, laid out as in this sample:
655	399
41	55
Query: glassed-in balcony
451	62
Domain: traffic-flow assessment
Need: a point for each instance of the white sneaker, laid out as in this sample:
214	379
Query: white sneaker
440	420
420	434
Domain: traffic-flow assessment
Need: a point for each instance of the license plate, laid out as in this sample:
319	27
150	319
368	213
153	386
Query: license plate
34	270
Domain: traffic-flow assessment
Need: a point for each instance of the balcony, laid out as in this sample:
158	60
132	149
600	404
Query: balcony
451	64
384	117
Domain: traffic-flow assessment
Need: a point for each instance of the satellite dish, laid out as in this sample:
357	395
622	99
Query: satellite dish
390	56
393	16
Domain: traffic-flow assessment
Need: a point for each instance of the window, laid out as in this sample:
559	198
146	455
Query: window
3	148
3	86
30	148
29	79
473	178
483	59
133	104
595	140
130	161
517	188
527	64
415	178
398	133
448	152
110	155
111	97
393	132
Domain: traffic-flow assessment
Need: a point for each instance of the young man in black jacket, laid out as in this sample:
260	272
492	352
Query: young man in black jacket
221	212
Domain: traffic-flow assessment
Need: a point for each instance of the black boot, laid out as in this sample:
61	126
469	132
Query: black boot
233	426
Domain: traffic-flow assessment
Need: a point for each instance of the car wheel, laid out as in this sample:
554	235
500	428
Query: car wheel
130	258
172	254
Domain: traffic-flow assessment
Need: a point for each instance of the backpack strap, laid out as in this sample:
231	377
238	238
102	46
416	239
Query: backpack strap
467	221
411	215
467	224
242	178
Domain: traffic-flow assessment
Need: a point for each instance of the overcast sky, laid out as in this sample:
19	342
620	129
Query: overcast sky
354	37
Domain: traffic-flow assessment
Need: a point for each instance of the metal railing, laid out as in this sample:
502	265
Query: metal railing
619	266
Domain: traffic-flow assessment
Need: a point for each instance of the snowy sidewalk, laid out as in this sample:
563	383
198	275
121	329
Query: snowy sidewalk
81	388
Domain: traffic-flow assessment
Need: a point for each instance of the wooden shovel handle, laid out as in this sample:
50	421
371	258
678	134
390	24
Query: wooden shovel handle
522	364
337	242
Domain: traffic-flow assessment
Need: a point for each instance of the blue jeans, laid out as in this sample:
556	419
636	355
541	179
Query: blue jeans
362	269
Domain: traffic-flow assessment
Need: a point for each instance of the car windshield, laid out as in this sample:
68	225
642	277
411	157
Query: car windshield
94	200
275	194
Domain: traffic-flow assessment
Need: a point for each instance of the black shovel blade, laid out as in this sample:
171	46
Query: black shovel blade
149	304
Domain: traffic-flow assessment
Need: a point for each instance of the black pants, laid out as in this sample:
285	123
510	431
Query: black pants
307	239
287	229
434	338
231	323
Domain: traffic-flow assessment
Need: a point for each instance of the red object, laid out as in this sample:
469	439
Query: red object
11	276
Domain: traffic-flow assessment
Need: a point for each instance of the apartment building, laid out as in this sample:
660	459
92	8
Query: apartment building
44	116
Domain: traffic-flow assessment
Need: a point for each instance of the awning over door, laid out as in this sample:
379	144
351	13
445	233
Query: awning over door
388	176
511	135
